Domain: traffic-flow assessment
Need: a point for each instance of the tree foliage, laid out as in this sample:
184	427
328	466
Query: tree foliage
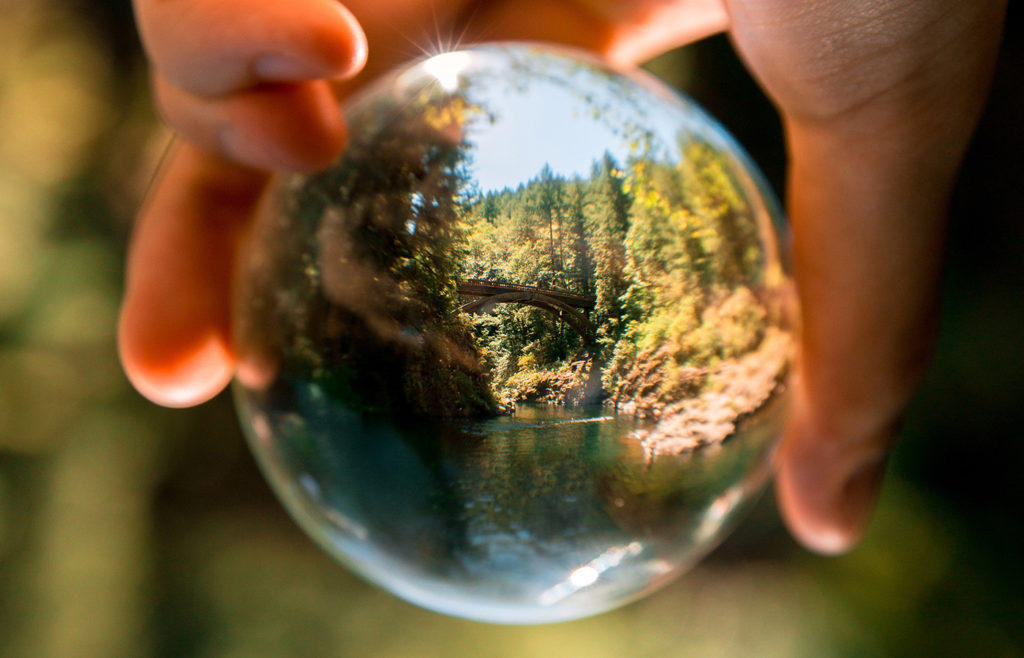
661	247
374	316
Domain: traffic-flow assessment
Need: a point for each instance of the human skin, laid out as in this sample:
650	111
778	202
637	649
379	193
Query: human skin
878	100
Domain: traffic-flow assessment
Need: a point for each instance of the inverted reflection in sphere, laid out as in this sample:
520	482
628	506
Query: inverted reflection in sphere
519	355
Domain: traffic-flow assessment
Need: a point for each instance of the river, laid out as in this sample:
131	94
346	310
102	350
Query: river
543	514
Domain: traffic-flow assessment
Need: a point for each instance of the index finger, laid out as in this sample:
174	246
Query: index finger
214	47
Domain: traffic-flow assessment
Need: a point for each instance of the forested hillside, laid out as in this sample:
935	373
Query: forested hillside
670	253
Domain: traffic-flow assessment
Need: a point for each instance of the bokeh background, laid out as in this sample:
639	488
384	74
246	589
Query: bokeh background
130	530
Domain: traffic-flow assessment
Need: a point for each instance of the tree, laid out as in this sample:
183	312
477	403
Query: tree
580	264
607	217
729	232
377	321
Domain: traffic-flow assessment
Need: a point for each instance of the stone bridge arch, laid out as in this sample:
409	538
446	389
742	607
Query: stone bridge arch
567	307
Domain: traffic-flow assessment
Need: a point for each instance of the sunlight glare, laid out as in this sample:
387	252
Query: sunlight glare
447	67
584	577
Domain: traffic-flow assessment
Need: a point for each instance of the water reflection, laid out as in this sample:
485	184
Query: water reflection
505	516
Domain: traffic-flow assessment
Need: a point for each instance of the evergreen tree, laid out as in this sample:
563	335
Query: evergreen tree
607	219
729	233
580	263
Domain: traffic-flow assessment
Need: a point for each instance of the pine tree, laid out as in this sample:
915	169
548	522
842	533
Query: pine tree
729	232
607	218
580	263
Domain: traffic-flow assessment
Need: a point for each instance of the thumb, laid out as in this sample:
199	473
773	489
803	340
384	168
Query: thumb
827	481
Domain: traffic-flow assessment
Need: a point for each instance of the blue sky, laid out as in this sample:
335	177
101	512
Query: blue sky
541	127
542	120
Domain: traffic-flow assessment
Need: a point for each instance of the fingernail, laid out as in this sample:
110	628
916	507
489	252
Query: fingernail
278	67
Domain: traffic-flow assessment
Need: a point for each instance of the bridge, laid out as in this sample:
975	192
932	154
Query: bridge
571	308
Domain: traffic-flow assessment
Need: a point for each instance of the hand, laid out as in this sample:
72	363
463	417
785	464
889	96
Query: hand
878	100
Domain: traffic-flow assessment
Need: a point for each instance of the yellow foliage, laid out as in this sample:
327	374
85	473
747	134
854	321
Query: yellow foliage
451	117
528	361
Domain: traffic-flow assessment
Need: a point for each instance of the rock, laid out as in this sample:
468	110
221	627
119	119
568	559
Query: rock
735	389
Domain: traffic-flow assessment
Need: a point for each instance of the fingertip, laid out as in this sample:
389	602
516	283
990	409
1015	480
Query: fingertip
174	327
809	521
211	48
350	54
334	47
172	369
329	40
826	497
257	370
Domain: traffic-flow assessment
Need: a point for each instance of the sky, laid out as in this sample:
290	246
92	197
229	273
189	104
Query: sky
545	119
534	129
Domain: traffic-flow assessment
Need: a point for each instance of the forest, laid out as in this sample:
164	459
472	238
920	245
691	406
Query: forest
660	260
668	253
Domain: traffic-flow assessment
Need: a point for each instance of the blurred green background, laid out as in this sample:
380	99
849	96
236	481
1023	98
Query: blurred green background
130	530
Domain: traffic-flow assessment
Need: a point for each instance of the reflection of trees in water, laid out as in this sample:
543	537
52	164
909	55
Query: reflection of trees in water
518	488
668	494
535	482
464	495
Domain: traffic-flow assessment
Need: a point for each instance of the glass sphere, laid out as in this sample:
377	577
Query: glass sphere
519	355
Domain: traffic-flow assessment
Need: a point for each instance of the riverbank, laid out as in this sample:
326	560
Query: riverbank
711	403
733	391
576	383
